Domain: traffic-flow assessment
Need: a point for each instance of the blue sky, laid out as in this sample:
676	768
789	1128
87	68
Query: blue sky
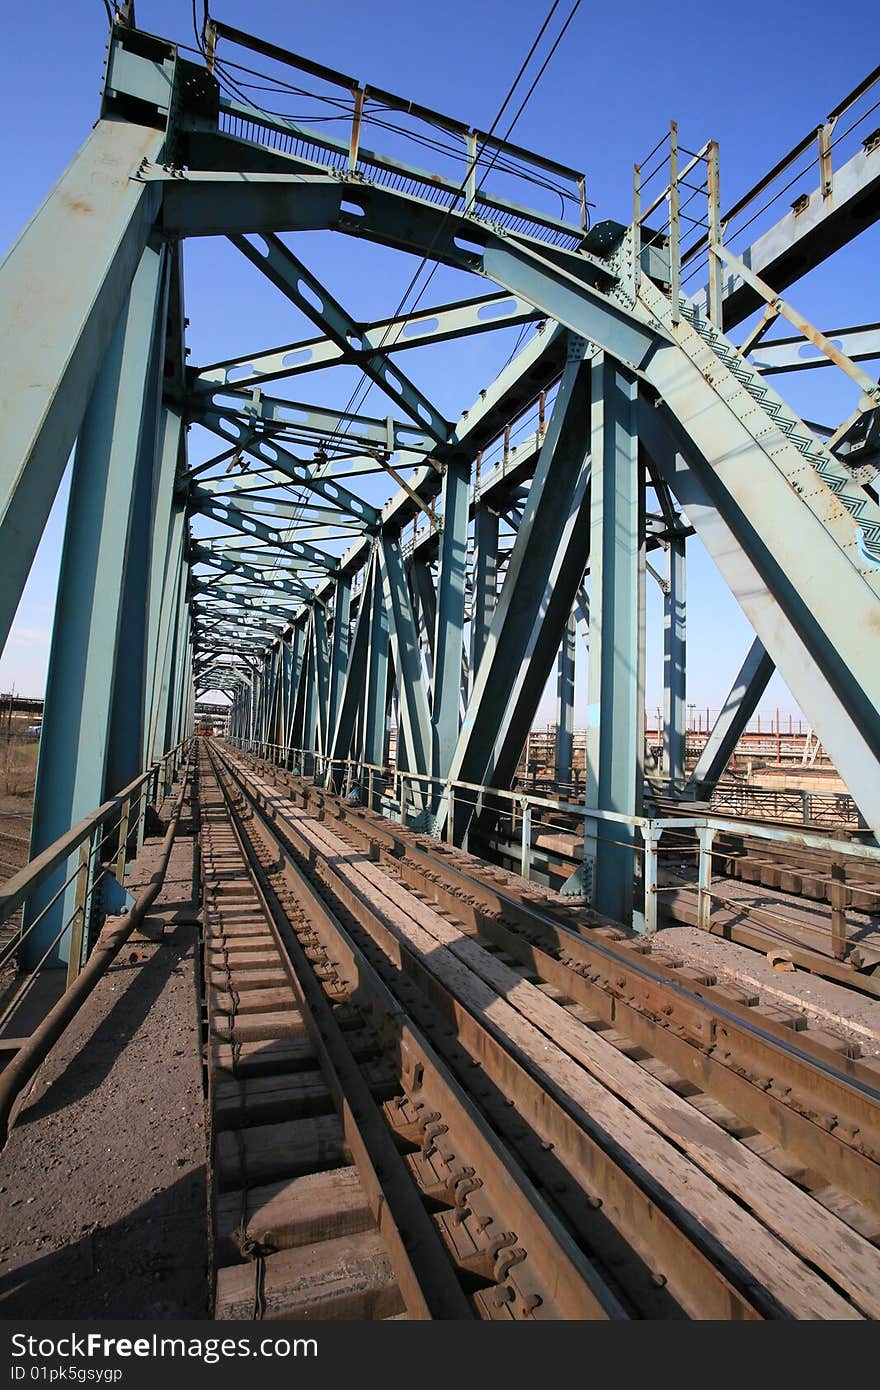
756	78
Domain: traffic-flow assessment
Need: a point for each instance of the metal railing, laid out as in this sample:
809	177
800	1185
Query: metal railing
429	803
694	232
102	842
787	803
463	160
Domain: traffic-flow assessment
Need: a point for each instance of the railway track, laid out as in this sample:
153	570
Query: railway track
351	1174
701	1157
812	891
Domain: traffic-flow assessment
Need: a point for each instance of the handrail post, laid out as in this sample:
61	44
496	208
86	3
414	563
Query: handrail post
450	814
470	190
674	224
706	836
141	827
122	848
714	219
838	907
826	179
526	846
355	136
78	919
652	837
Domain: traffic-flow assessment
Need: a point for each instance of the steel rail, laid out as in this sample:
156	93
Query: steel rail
556	1118
820	1106
532	906
548	1259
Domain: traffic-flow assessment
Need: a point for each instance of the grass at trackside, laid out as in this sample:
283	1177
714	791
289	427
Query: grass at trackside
18	764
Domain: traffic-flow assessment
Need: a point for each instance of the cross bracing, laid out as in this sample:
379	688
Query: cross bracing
328	556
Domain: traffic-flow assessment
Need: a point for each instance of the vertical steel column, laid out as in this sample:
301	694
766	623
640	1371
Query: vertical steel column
615	698
183	678
274	717
175	579
310	701
286	668
166	731
451	583
132	684
373	738
414	724
86	637
674	665
322	677
352	697
298	652
422	586
164	537
485	592
338	651
565	702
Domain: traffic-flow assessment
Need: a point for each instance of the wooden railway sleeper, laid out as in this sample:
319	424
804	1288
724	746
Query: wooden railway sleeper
699	1030
658	1224
526	1298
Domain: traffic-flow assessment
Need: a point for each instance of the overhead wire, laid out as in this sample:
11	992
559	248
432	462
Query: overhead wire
363	387
362	390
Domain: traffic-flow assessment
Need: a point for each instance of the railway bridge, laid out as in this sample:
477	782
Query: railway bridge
453	1067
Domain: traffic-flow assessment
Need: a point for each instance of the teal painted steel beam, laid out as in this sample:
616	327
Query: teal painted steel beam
805	238
749	685
278	263
413	706
481	314
485	587
615	699
375	708
339	639
425	596
239	599
71	267
321	666
225	511
351	696
790	556
567	286
798	354
202	555
166	531
126	753
174	580
87	638
545	570
244	494
449	629
565	669
269	451
675	665
346	428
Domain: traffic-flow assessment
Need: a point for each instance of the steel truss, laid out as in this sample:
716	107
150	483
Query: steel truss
327	619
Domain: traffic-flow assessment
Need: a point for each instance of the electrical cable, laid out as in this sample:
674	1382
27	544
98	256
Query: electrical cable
362	389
